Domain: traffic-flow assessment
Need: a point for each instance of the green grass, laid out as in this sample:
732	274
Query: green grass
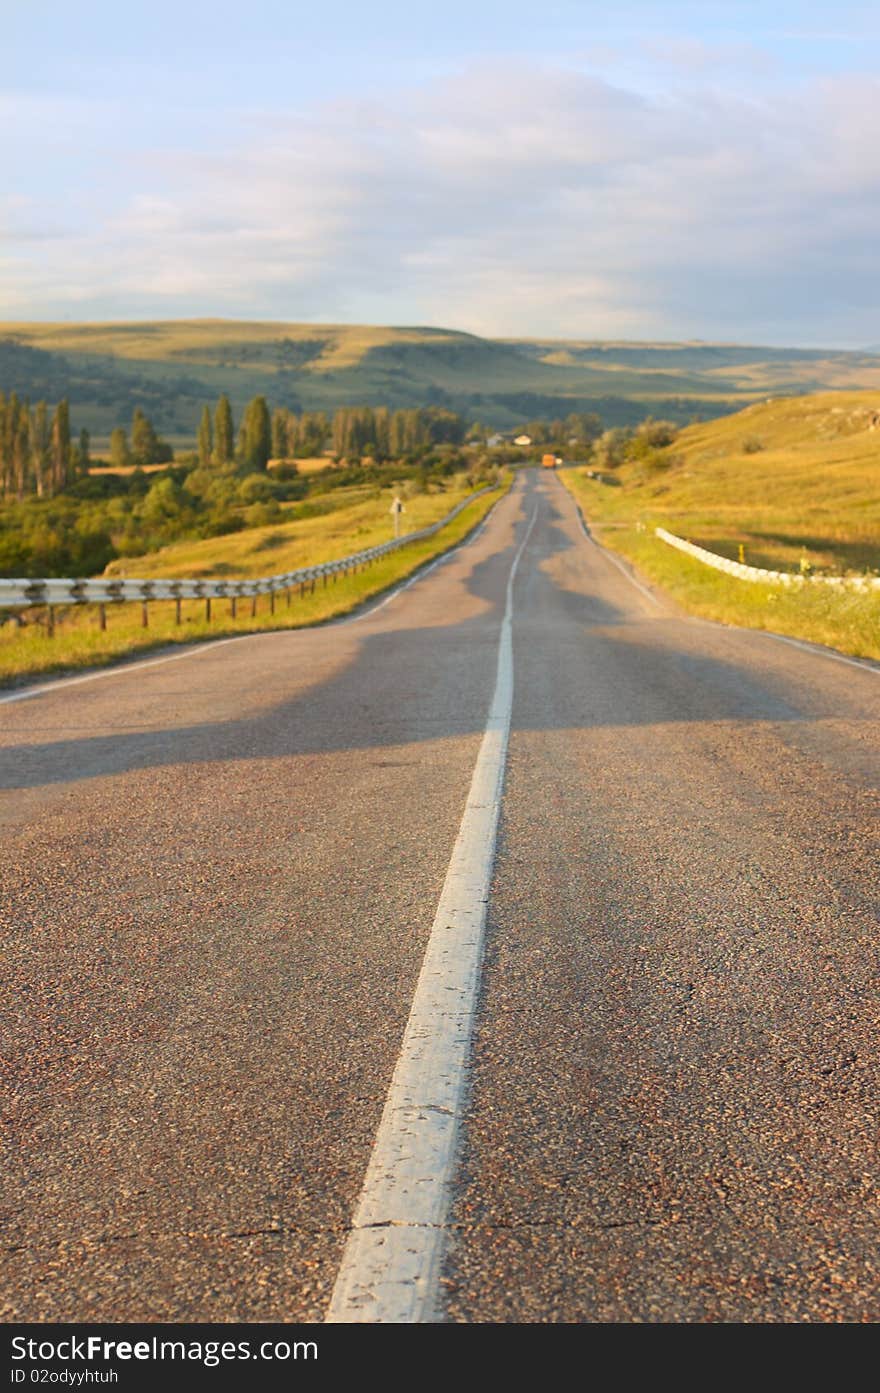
785	480
79	643
848	622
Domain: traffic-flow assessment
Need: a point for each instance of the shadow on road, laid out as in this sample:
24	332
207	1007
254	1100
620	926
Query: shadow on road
405	686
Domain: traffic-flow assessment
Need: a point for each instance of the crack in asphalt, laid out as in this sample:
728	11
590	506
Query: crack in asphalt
560	1225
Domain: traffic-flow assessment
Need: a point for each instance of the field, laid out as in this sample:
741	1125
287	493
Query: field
319	529
314	465
783	484
361	522
171	369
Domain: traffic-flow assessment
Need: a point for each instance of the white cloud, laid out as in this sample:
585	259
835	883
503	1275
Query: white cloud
509	199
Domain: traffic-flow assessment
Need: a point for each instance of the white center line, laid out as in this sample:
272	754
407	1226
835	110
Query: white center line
391	1265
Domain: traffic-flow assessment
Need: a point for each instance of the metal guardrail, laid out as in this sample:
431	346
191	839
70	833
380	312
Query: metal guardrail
755	573
19	594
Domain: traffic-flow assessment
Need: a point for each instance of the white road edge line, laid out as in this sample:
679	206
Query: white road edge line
609	556
419	575
816	649
210	645
390	1269
46	687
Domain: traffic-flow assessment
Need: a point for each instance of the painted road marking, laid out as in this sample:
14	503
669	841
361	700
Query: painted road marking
419	575
816	649
46	687
609	557
390	1270
210	645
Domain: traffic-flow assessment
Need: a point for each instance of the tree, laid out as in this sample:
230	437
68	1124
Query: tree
21	447
255	436
279	433
609	450
146	447
83	452
583	427
224	432
206	438
41	441
120	456
382	432
164	499
61	453
656	434
312	431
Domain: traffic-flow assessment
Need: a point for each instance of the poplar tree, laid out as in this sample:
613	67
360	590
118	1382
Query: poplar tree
255	439
206	438
61	446
41	441
279	433
119	454
224	432
21	448
146	447
84	452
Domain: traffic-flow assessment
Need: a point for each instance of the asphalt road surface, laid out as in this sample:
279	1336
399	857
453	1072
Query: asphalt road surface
219	877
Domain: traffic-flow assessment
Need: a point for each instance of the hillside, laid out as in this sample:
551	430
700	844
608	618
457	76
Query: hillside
794	477
794	483
172	368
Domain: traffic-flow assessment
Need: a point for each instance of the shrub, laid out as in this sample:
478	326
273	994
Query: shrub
255	488
259	514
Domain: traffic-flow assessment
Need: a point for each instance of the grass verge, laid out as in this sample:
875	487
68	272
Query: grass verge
847	621
78	642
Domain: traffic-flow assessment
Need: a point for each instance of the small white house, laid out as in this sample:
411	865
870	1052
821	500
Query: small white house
495	440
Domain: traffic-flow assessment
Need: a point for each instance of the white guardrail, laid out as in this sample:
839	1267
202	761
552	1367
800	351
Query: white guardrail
755	573
106	590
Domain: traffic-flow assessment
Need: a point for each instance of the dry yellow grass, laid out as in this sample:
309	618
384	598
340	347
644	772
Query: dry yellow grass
792	480
79	642
786	478
127	468
285	546
311	465
207	340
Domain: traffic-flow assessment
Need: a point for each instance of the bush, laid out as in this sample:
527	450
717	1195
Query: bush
285	471
657	434
610	450
255	488
260	514
220	524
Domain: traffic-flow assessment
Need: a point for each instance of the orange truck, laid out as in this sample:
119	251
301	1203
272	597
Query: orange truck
548	461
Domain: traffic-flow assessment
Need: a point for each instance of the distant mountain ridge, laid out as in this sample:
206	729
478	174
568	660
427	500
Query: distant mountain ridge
171	368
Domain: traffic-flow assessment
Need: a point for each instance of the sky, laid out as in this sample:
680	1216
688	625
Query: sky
565	169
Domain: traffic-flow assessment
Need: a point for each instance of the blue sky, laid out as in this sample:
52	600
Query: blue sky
565	169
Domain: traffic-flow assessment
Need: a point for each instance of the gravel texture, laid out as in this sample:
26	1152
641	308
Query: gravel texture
675	1088
218	877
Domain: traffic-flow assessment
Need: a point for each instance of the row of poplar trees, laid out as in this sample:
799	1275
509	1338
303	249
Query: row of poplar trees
216	438
353	432
36	456
35	448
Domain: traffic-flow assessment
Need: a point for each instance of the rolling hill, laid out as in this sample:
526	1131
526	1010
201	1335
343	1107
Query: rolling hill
785	479
172	368
784	485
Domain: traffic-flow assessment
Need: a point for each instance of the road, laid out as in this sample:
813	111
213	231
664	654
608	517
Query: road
220	874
